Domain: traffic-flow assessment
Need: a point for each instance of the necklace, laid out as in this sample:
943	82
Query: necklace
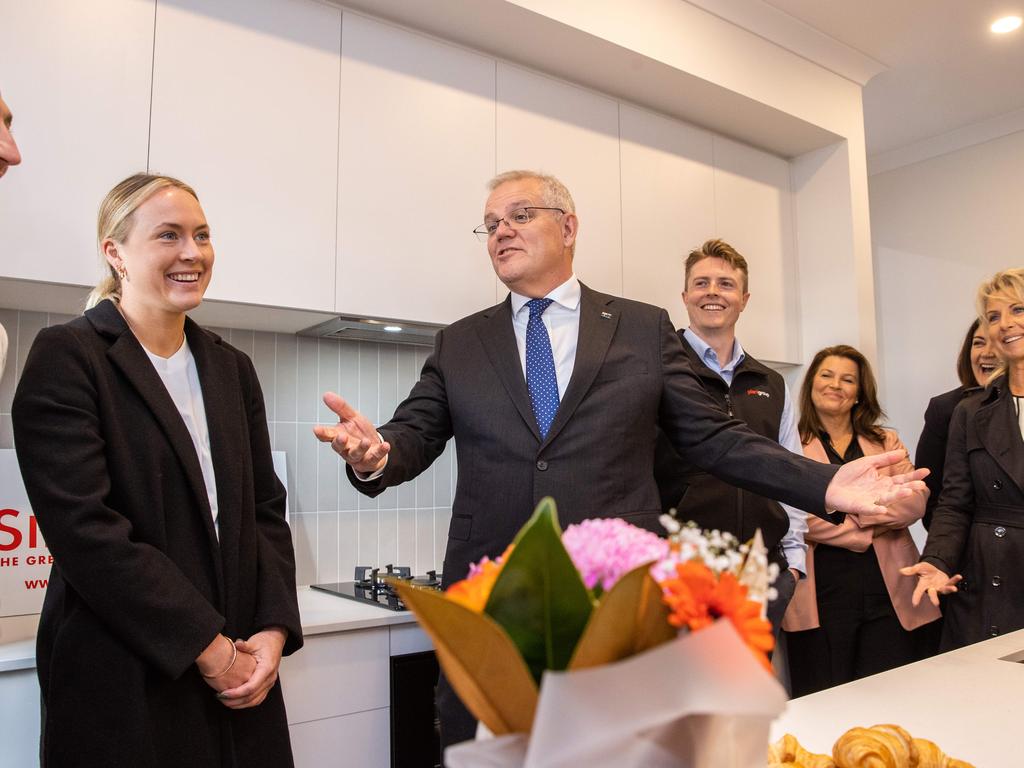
138	337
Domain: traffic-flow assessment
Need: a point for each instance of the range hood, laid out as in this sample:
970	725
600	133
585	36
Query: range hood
375	329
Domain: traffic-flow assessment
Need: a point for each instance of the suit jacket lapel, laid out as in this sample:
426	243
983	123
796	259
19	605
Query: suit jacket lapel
997	429
598	321
499	340
128	356
218	378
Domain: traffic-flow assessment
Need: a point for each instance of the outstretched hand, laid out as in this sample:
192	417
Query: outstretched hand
930	581
858	487
354	437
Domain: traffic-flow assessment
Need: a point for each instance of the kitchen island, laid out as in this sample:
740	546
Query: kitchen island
337	688
965	701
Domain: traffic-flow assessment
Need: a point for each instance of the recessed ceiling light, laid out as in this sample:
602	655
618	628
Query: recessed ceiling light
1006	24
393	328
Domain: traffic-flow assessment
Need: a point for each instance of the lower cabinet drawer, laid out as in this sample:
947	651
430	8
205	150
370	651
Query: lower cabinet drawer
338	674
359	740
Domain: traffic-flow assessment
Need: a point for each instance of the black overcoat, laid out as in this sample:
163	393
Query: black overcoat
978	526
141	584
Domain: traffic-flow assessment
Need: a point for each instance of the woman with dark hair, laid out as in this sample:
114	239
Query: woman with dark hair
978	526
974	365
142	439
852	616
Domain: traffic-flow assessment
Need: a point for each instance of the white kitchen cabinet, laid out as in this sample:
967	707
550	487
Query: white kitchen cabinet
337	674
245	109
572	133
77	78
753	209
359	740
668	205
416	149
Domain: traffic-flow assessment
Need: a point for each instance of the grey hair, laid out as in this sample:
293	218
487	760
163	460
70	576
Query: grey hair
555	193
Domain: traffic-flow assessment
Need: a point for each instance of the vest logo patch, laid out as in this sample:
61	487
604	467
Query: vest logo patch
758	393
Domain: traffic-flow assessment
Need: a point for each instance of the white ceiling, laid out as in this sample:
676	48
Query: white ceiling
944	69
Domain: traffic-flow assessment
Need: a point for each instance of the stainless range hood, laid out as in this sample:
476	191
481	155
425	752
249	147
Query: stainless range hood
375	329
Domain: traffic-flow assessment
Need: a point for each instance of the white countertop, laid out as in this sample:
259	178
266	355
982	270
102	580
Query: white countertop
966	701
321	613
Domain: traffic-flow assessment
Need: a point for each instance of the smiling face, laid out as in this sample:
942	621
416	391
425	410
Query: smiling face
836	386
531	259
1004	318
9	154
714	296
167	255
983	358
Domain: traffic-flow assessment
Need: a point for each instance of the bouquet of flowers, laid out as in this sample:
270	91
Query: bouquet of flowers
609	645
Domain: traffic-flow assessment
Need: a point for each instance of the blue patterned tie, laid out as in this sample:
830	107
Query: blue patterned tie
540	367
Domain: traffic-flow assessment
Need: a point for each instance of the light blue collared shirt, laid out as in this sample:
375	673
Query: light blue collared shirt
793	544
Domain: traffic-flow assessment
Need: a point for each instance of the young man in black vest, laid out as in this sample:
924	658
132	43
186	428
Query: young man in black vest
715	294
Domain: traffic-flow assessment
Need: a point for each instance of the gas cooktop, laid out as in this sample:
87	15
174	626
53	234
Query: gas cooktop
376	587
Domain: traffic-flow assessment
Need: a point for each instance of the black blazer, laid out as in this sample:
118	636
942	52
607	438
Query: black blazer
630	376
931	447
978	526
141	584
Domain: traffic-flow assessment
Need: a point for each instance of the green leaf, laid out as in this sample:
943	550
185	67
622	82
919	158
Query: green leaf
481	662
631	618
539	598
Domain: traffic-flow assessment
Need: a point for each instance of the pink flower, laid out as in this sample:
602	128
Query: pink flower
604	550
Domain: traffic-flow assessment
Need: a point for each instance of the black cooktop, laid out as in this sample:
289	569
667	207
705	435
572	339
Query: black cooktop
371	585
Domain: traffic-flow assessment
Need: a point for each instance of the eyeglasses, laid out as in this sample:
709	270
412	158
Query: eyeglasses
517	218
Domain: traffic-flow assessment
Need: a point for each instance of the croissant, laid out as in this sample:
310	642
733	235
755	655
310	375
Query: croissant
865	748
787	752
933	757
907	753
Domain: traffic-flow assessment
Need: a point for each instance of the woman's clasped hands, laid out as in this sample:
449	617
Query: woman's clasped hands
243	672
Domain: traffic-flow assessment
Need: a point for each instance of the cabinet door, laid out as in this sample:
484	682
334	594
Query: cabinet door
245	108
668	205
417	146
77	78
753	206
572	133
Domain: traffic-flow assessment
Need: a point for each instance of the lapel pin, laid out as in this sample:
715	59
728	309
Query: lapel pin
606	315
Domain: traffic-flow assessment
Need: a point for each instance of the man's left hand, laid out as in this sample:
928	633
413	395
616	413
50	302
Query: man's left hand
266	648
858	487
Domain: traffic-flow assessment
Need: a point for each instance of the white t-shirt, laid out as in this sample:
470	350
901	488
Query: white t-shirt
178	373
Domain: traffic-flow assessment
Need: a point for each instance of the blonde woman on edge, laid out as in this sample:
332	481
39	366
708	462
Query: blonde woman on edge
976	541
143	443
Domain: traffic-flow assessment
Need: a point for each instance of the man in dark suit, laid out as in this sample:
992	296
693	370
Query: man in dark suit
558	391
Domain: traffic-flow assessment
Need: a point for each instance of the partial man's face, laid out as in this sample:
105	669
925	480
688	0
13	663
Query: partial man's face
714	296
9	154
531	258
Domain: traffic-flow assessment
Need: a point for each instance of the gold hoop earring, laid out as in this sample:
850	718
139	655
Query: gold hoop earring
122	273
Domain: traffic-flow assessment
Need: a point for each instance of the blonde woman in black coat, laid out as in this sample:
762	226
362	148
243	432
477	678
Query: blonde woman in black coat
143	443
975	545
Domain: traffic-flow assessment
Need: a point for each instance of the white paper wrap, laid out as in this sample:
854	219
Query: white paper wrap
702	701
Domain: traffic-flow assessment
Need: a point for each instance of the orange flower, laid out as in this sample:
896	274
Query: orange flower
473	591
696	598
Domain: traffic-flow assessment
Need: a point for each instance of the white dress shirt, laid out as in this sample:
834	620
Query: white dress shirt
562	319
180	377
793	545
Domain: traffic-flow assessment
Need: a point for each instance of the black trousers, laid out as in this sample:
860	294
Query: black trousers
859	635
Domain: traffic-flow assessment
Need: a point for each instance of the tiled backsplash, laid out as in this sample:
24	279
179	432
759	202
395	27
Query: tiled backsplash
334	527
